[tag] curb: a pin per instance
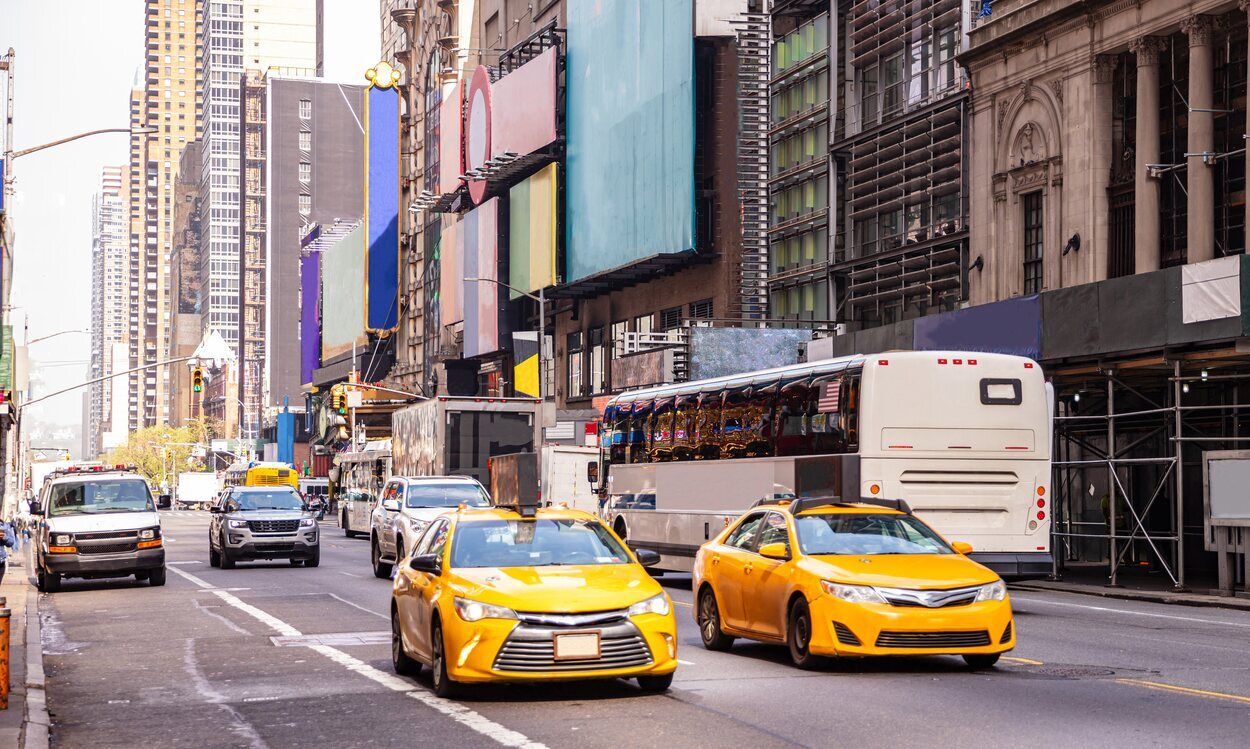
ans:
(36, 724)
(1175, 599)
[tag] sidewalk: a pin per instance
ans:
(25, 723)
(1135, 590)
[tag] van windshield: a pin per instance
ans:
(99, 497)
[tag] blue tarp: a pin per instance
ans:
(1013, 326)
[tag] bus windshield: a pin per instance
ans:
(100, 497)
(866, 535)
(449, 494)
(534, 543)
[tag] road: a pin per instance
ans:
(267, 655)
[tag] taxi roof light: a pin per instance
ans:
(803, 504)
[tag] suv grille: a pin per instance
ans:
(273, 526)
(532, 648)
(976, 639)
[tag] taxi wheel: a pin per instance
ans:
(380, 569)
(709, 623)
(981, 660)
(655, 684)
(799, 637)
(404, 665)
(443, 685)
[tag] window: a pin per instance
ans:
(701, 310)
(305, 109)
(305, 204)
(743, 537)
(644, 324)
(775, 530)
(305, 141)
(305, 171)
(619, 329)
(598, 361)
(574, 382)
(1032, 206)
(670, 319)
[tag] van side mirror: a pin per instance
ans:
(164, 502)
(35, 509)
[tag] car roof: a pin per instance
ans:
(508, 513)
(439, 479)
(95, 476)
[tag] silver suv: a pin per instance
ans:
(262, 522)
(409, 504)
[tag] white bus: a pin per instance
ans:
(356, 481)
(963, 437)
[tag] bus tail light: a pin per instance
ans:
(883, 362)
(1041, 491)
(1041, 503)
(941, 361)
(957, 361)
(1041, 515)
(972, 362)
(1028, 365)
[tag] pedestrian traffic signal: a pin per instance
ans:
(197, 380)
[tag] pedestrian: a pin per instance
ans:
(9, 542)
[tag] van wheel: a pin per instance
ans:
(156, 577)
(799, 637)
(380, 569)
(50, 582)
(347, 531)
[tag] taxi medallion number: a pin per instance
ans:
(578, 646)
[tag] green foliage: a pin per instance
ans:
(157, 454)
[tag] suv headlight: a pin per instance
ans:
(62, 539)
(852, 593)
(653, 605)
(995, 591)
(307, 522)
(147, 534)
(237, 523)
(472, 611)
(418, 525)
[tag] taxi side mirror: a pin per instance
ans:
(961, 548)
(427, 563)
(647, 557)
(774, 551)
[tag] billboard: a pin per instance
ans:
(480, 230)
(532, 232)
(450, 129)
(342, 295)
(309, 316)
(630, 123)
(382, 207)
(450, 272)
(523, 107)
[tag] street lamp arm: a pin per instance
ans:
(54, 335)
(25, 151)
(508, 286)
(94, 380)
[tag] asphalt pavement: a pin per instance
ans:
(269, 655)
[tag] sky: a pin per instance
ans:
(76, 61)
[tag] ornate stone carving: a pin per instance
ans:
(1000, 188)
(1201, 29)
(1243, 6)
(1030, 144)
(1003, 106)
(1148, 49)
(1029, 178)
(1056, 88)
(1104, 68)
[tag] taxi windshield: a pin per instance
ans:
(99, 497)
(867, 534)
(534, 543)
(449, 494)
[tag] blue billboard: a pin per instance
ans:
(630, 122)
(382, 203)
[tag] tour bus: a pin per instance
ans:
(356, 481)
(964, 438)
(261, 474)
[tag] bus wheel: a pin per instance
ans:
(347, 531)
(619, 528)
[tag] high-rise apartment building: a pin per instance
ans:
(110, 300)
(237, 36)
(165, 101)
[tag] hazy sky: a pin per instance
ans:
(76, 63)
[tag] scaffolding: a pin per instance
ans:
(1128, 444)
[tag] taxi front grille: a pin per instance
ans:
(531, 648)
(972, 639)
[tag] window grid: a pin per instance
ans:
(1032, 205)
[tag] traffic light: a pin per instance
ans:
(197, 380)
(338, 400)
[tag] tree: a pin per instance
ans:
(160, 453)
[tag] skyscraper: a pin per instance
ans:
(110, 300)
(237, 36)
(164, 99)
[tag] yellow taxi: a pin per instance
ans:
(831, 578)
(528, 594)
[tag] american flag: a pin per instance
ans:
(828, 402)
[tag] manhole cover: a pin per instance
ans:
(1073, 672)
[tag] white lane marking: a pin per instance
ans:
(197, 582)
(221, 618)
(684, 663)
(349, 574)
(358, 606)
(457, 712)
(1045, 602)
(186, 561)
(239, 724)
(232, 590)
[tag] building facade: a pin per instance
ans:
(166, 101)
(184, 284)
(110, 303)
(238, 36)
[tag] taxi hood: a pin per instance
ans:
(916, 571)
(565, 589)
(106, 521)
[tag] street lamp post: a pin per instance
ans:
(542, 372)
(54, 335)
(143, 130)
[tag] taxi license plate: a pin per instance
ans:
(576, 647)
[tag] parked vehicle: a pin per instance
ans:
(197, 490)
(254, 522)
(409, 504)
(318, 488)
(448, 436)
(566, 476)
(96, 522)
(356, 481)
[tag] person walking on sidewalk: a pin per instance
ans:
(9, 542)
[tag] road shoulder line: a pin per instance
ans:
(37, 723)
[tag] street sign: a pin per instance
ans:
(354, 399)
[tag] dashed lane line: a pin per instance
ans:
(469, 718)
(1044, 602)
(1024, 661)
(1160, 687)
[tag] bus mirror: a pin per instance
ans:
(592, 473)
(961, 548)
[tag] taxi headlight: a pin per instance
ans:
(237, 523)
(995, 591)
(307, 522)
(653, 605)
(472, 611)
(62, 539)
(852, 593)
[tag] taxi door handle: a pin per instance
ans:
(715, 559)
(748, 568)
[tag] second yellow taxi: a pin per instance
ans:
(551, 594)
(829, 578)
